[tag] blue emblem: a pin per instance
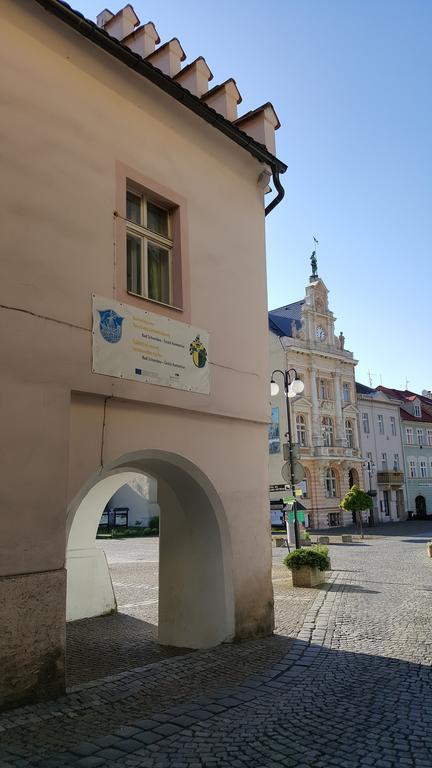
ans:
(110, 325)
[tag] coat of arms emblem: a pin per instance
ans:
(110, 325)
(198, 352)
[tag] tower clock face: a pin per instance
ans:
(320, 333)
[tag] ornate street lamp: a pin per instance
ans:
(293, 386)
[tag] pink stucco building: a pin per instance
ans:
(128, 188)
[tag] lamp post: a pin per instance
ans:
(370, 466)
(292, 386)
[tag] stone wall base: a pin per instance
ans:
(32, 637)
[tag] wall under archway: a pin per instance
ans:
(196, 604)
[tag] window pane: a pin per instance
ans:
(158, 273)
(134, 254)
(133, 207)
(157, 219)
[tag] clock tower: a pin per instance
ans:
(317, 320)
(325, 415)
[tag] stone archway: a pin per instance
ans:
(420, 505)
(196, 604)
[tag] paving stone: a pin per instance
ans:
(362, 699)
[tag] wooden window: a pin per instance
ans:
(149, 246)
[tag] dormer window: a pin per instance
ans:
(417, 411)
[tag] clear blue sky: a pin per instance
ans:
(350, 81)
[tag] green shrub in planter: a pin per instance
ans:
(315, 557)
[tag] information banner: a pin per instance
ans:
(130, 343)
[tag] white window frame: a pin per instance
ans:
(423, 468)
(393, 425)
(412, 464)
(396, 462)
(384, 462)
(301, 428)
(148, 236)
(429, 436)
(417, 410)
(365, 422)
(330, 484)
(420, 436)
(346, 390)
(380, 423)
(327, 431)
(409, 435)
(349, 433)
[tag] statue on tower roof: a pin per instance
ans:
(313, 260)
(314, 264)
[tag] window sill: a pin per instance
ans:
(155, 301)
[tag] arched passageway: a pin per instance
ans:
(196, 607)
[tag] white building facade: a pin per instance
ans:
(382, 450)
(324, 416)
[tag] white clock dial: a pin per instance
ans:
(320, 333)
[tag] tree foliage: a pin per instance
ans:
(356, 500)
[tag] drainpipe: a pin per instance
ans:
(280, 192)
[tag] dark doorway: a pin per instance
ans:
(420, 504)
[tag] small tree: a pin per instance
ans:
(357, 501)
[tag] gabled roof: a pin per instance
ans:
(280, 319)
(362, 389)
(99, 37)
(406, 396)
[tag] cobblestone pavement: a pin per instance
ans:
(352, 690)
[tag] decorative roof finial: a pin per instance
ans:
(313, 260)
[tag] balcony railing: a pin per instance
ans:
(336, 450)
(390, 478)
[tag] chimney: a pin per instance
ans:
(121, 24)
(143, 40)
(103, 17)
(224, 99)
(261, 125)
(195, 76)
(168, 57)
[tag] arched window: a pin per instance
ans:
(330, 484)
(327, 431)
(349, 433)
(301, 431)
(353, 478)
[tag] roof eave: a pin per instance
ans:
(103, 40)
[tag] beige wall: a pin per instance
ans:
(71, 115)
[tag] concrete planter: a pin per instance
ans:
(323, 540)
(306, 576)
(429, 549)
(346, 538)
(305, 543)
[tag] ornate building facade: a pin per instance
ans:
(325, 416)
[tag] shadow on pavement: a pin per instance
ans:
(105, 645)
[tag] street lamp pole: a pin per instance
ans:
(370, 466)
(292, 386)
